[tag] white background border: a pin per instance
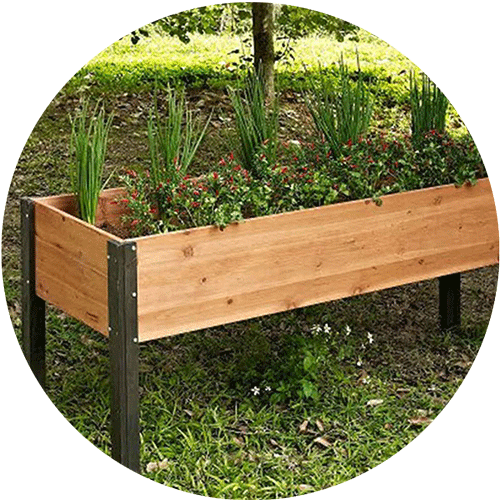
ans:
(45, 43)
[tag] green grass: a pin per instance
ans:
(206, 60)
(213, 436)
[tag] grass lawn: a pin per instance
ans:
(266, 408)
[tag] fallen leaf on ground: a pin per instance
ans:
(420, 420)
(304, 487)
(303, 426)
(238, 441)
(374, 402)
(156, 466)
(323, 442)
(319, 425)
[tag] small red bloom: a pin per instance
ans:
(284, 170)
(196, 193)
(349, 142)
(134, 223)
(153, 210)
(135, 194)
(131, 173)
(231, 156)
(126, 201)
(195, 204)
(216, 176)
(222, 162)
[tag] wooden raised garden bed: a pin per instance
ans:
(147, 288)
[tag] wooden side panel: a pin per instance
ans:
(71, 265)
(206, 277)
(108, 211)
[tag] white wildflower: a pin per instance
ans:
(327, 328)
(347, 330)
(370, 338)
(316, 329)
(255, 390)
(267, 389)
(359, 362)
(366, 380)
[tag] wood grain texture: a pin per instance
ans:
(71, 264)
(205, 277)
(108, 211)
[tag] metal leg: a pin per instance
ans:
(33, 307)
(449, 301)
(124, 352)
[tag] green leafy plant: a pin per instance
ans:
(88, 144)
(428, 107)
(173, 138)
(341, 109)
(256, 122)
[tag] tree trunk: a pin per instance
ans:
(263, 43)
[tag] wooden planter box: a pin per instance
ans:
(147, 288)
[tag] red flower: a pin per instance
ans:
(284, 170)
(153, 210)
(135, 194)
(222, 162)
(131, 173)
(349, 142)
(354, 166)
(134, 223)
(195, 204)
(216, 176)
(126, 201)
(231, 156)
(237, 168)
(196, 193)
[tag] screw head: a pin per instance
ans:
(134, 294)
(134, 248)
(135, 340)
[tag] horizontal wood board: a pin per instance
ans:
(71, 263)
(205, 277)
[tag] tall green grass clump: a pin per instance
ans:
(173, 138)
(88, 144)
(341, 109)
(428, 107)
(256, 122)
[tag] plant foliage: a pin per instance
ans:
(173, 138)
(256, 121)
(88, 144)
(428, 107)
(341, 109)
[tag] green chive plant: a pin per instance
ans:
(256, 122)
(341, 110)
(173, 138)
(428, 107)
(88, 144)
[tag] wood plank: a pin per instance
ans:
(205, 277)
(108, 211)
(71, 265)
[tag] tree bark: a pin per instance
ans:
(263, 43)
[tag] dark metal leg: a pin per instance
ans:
(124, 352)
(33, 307)
(449, 301)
